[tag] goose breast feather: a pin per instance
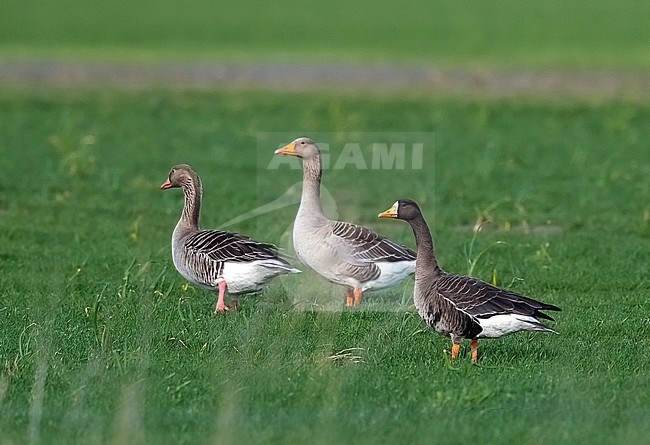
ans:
(445, 315)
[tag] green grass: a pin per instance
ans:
(554, 33)
(101, 342)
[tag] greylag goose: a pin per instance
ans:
(459, 306)
(342, 253)
(215, 259)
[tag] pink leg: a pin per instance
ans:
(220, 307)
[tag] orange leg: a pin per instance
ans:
(357, 297)
(474, 348)
(349, 296)
(454, 350)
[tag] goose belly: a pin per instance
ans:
(499, 325)
(323, 263)
(391, 274)
(327, 264)
(251, 276)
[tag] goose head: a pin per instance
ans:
(402, 209)
(303, 148)
(181, 175)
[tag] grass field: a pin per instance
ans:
(102, 342)
(554, 33)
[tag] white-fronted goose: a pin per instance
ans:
(343, 253)
(459, 306)
(215, 259)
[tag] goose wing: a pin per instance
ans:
(482, 300)
(363, 246)
(225, 246)
(443, 313)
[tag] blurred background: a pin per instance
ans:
(439, 45)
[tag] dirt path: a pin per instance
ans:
(327, 76)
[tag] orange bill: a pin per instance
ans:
(289, 149)
(390, 213)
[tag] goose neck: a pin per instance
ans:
(425, 257)
(192, 205)
(312, 173)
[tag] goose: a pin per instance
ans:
(216, 259)
(459, 306)
(343, 253)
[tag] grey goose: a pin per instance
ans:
(460, 306)
(343, 253)
(214, 259)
